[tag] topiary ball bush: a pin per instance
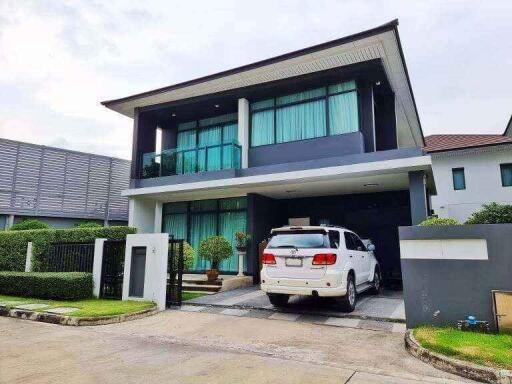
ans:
(26, 225)
(215, 249)
(188, 256)
(432, 220)
(492, 213)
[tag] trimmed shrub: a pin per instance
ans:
(188, 256)
(215, 249)
(492, 213)
(433, 220)
(47, 285)
(88, 224)
(26, 225)
(13, 244)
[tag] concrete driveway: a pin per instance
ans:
(183, 347)
(388, 306)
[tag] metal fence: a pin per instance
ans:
(174, 272)
(70, 257)
(112, 269)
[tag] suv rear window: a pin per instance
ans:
(299, 239)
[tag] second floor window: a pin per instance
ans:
(319, 112)
(506, 175)
(459, 180)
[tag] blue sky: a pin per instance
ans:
(58, 60)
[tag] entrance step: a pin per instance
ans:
(202, 287)
(206, 293)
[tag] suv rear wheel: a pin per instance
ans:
(377, 282)
(278, 299)
(347, 303)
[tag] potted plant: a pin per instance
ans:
(215, 249)
(242, 239)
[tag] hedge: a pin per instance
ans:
(13, 244)
(47, 285)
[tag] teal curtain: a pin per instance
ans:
(301, 96)
(229, 136)
(176, 225)
(209, 158)
(202, 225)
(229, 224)
(343, 113)
(302, 121)
(459, 180)
(262, 128)
(186, 160)
(506, 175)
(218, 119)
(257, 105)
(342, 87)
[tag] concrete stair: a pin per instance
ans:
(203, 286)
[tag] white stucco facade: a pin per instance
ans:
(483, 180)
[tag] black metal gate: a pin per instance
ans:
(112, 269)
(174, 272)
(69, 257)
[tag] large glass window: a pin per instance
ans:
(319, 112)
(206, 145)
(196, 220)
(506, 175)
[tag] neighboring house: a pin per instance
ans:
(60, 187)
(470, 170)
(326, 134)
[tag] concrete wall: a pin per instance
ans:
(142, 215)
(449, 271)
(483, 180)
(155, 277)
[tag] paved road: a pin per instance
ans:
(181, 347)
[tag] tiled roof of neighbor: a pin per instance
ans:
(440, 143)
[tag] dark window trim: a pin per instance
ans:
(502, 166)
(459, 169)
(324, 97)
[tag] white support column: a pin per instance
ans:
(96, 265)
(28, 260)
(141, 214)
(158, 217)
(10, 222)
(243, 130)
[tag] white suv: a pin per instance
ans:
(318, 261)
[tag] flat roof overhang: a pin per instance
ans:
(380, 43)
(378, 176)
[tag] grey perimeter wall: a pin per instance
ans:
(440, 292)
(41, 181)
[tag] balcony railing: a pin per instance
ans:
(172, 162)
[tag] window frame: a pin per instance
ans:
(459, 169)
(504, 166)
(324, 97)
(332, 241)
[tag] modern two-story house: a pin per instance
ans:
(329, 134)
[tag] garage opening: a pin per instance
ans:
(374, 216)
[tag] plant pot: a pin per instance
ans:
(241, 249)
(212, 275)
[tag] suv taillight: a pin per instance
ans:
(268, 258)
(324, 259)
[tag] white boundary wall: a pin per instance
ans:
(155, 276)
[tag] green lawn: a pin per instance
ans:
(191, 295)
(484, 349)
(87, 308)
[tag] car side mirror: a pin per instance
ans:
(371, 247)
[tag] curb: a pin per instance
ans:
(53, 318)
(299, 311)
(458, 367)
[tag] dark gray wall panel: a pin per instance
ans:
(312, 149)
(440, 292)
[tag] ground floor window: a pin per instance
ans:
(197, 220)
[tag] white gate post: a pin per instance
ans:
(96, 265)
(28, 259)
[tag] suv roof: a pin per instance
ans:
(305, 228)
